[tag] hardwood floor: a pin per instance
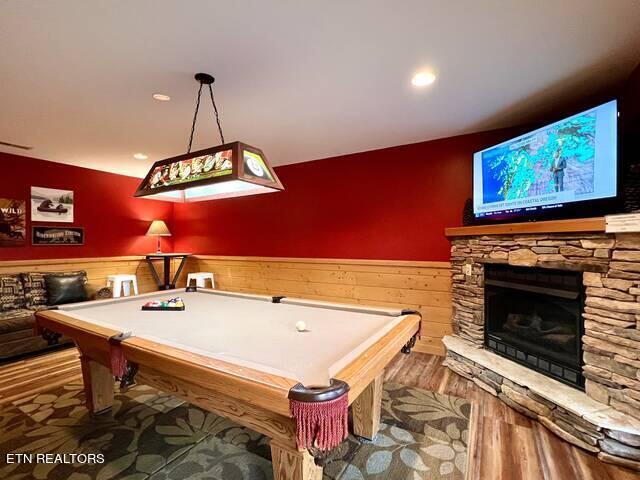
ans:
(504, 445)
(37, 374)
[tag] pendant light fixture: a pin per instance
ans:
(228, 170)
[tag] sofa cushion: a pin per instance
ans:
(16, 320)
(11, 293)
(66, 288)
(35, 290)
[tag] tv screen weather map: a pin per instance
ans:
(572, 160)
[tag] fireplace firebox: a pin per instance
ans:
(534, 317)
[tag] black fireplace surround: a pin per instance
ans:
(533, 316)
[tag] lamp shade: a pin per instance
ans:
(158, 228)
(230, 170)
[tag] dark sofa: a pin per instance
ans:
(23, 294)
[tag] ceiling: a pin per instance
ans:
(301, 80)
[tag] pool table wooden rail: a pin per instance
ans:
(252, 398)
(231, 379)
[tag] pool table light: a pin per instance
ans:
(228, 170)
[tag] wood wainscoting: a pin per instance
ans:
(423, 286)
(97, 268)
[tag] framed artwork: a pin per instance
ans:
(54, 235)
(12, 222)
(51, 205)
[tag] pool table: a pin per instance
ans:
(240, 356)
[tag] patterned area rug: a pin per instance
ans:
(151, 435)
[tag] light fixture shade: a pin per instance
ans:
(229, 170)
(158, 228)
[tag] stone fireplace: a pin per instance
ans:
(546, 316)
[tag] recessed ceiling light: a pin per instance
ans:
(161, 97)
(422, 79)
(140, 156)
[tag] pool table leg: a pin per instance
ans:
(98, 385)
(289, 463)
(366, 409)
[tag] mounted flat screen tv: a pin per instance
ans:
(565, 169)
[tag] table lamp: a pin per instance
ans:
(159, 229)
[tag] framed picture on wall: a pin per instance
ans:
(12, 222)
(54, 235)
(51, 205)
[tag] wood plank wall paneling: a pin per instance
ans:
(97, 269)
(423, 286)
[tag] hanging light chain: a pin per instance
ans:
(195, 116)
(215, 109)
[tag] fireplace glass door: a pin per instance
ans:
(534, 316)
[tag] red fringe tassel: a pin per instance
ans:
(322, 425)
(118, 362)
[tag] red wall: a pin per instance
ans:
(383, 204)
(114, 222)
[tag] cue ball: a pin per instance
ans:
(301, 326)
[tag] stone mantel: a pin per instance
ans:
(611, 344)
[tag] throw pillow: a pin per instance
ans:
(11, 293)
(35, 290)
(65, 288)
